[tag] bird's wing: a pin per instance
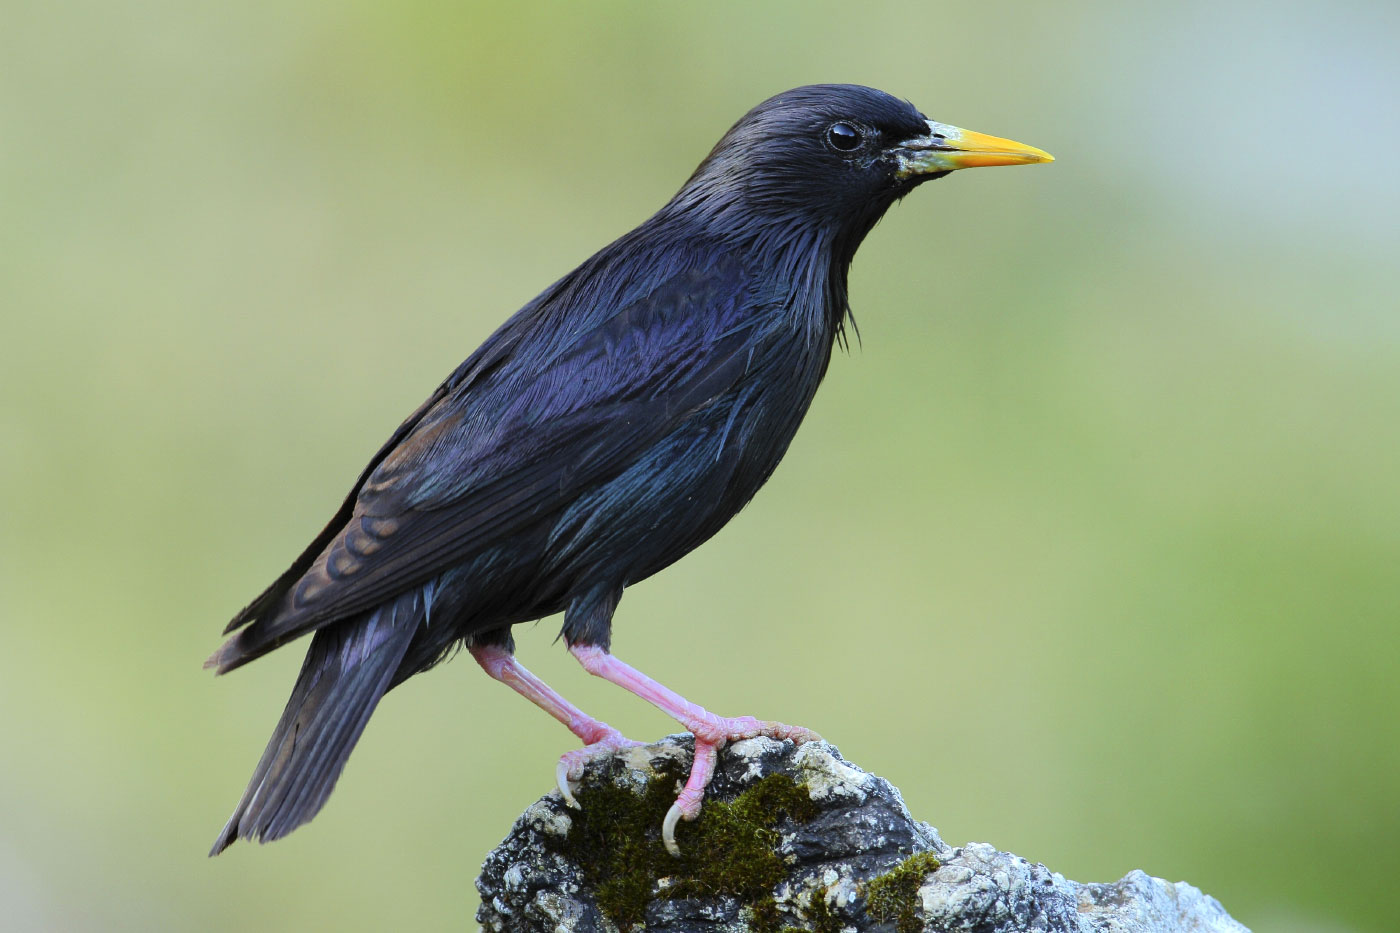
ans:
(496, 454)
(488, 357)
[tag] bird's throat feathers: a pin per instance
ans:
(802, 251)
(813, 271)
(797, 264)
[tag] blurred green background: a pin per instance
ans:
(1092, 546)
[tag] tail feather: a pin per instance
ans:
(348, 668)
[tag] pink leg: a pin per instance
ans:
(711, 732)
(598, 737)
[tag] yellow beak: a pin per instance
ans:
(948, 148)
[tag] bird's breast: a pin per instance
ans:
(692, 481)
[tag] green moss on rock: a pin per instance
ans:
(731, 849)
(894, 895)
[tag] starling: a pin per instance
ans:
(610, 426)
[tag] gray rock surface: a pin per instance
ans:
(791, 838)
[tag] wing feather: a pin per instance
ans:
(515, 444)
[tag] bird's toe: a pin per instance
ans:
(565, 784)
(569, 770)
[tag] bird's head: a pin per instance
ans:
(835, 157)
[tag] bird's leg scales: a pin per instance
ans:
(598, 737)
(711, 732)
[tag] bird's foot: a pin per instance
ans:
(570, 768)
(712, 733)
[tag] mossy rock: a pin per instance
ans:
(731, 850)
(895, 894)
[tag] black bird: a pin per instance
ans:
(611, 425)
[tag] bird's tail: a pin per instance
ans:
(347, 669)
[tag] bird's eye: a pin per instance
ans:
(844, 137)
